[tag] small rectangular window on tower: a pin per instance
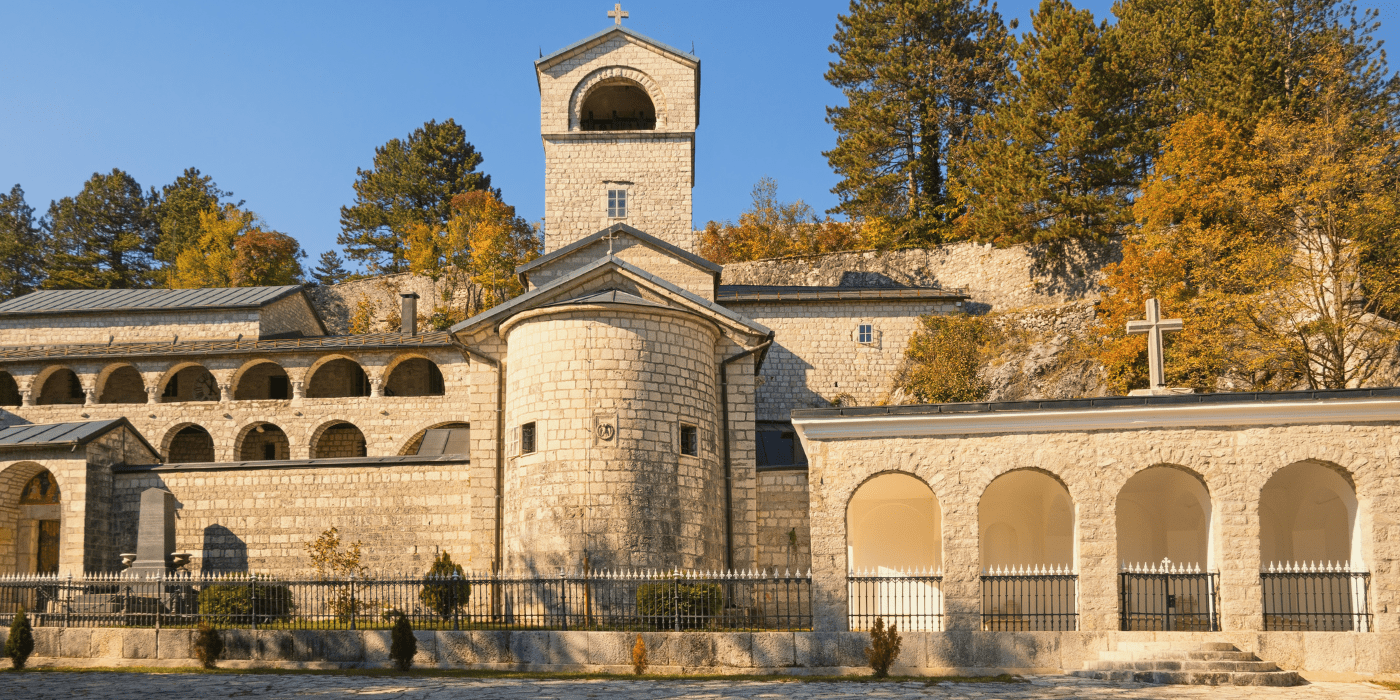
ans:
(617, 204)
(690, 440)
(527, 438)
(866, 333)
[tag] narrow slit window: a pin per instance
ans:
(690, 441)
(527, 438)
(617, 204)
(866, 333)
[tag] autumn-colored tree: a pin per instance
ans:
(771, 228)
(943, 359)
(178, 208)
(1054, 160)
(914, 73)
(233, 249)
(473, 256)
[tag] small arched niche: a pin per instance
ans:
(1026, 518)
(192, 443)
(264, 441)
(339, 378)
(1307, 513)
(1164, 513)
(415, 376)
(190, 383)
(263, 381)
(339, 440)
(9, 390)
(123, 385)
(617, 104)
(61, 387)
(893, 524)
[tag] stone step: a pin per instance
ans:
(1180, 655)
(1272, 678)
(1176, 646)
(1183, 665)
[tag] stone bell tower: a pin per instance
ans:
(618, 112)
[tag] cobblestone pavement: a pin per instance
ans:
(142, 686)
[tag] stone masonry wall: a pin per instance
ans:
(782, 516)
(261, 519)
(631, 500)
(1233, 463)
(290, 315)
(128, 327)
(816, 359)
(654, 168)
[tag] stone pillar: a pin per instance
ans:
(376, 387)
(298, 389)
(89, 396)
(153, 393)
(26, 397)
(225, 393)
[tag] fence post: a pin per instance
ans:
(68, 605)
(563, 600)
(676, 598)
(456, 604)
(160, 593)
(253, 609)
(354, 605)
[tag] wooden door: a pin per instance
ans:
(48, 547)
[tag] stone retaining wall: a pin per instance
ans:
(1318, 655)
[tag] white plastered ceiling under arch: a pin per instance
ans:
(1026, 518)
(1308, 513)
(1165, 513)
(893, 523)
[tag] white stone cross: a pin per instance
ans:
(618, 13)
(1155, 327)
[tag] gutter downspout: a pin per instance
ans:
(724, 440)
(498, 555)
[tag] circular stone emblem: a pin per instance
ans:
(606, 431)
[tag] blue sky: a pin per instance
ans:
(280, 102)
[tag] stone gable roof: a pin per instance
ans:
(584, 44)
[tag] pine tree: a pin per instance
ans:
(1055, 160)
(21, 244)
(177, 212)
(330, 269)
(103, 238)
(20, 642)
(914, 73)
(413, 182)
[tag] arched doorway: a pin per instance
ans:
(339, 440)
(1026, 528)
(263, 441)
(1310, 551)
(122, 385)
(31, 511)
(337, 379)
(1163, 518)
(894, 550)
(191, 443)
(415, 376)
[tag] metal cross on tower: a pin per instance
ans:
(1155, 327)
(618, 13)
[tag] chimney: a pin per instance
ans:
(409, 315)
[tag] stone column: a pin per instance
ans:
(376, 387)
(298, 389)
(225, 393)
(89, 396)
(26, 397)
(153, 393)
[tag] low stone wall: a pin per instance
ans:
(1318, 655)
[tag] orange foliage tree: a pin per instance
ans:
(773, 229)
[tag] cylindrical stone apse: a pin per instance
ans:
(620, 400)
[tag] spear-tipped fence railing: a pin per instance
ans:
(1168, 596)
(601, 600)
(1315, 596)
(911, 599)
(1030, 599)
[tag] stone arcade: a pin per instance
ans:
(629, 410)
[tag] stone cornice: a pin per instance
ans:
(1222, 415)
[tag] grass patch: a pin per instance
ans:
(1389, 685)
(484, 673)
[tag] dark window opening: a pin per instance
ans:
(618, 106)
(75, 387)
(778, 447)
(278, 387)
(527, 438)
(436, 386)
(269, 450)
(172, 388)
(690, 441)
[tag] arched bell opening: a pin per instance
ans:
(617, 104)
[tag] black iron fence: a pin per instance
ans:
(1168, 597)
(1316, 597)
(631, 601)
(1030, 599)
(913, 600)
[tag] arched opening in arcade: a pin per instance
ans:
(1026, 526)
(191, 443)
(617, 104)
(30, 509)
(263, 441)
(1164, 524)
(1313, 568)
(190, 383)
(894, 550)
(9, 390)
(415, 376)
(338, 378)
(61, 387)
(339, 440)
(263, 381)
(122, 385)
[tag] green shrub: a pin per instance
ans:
(883, 649)
(21, 641)
(207, 645)
(402, 644)
(445, 595)
(238, 603)
(661, 602)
